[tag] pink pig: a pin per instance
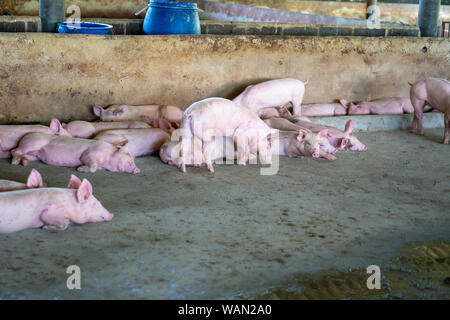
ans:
(10, 135)
(217, 116)
(342, 140)
(435, 93)
(380, 106)
(50, 208)
(298, 144)
(148, 113)
(315, 141)
(34, 181)
(141, 142)
(273, 93)
(324, 110)
(86, 130)
(87, 155)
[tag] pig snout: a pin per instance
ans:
(315, 154)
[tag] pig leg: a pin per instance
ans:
(447, 126)
(206, 149)
(242, 143)
(297, 105)
(419, 106)
(55, 218)
(90, 163)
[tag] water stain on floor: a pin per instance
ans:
(418, 271)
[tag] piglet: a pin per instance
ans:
(435, 93)
(379, 106)
(317, 140)
(50, 208)
(10, 135)
(87, 155)
(342, 140)
(212, 117)
(324, 110)
(273, 93)
(141, 142)
(86, 130)
(148, 113)
(34, 181)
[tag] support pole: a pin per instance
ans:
(51, 12)
(429, 17)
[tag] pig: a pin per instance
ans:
(291, 144)
(342, 140)
(318, 141)
(50, 208)
(148, 113)
(141, 142)
(217, 116)
(87, 130)
(273, 93)
(34, 181)
(324, 110)
(435, 93)
(86, 155)
(380, 106)
(10, 135)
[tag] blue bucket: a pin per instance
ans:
(171, 17)
(85, 28)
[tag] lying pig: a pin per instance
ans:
(141, 142)
(435, 93)
(10, 135)
(342, 140)
(317, 140)
(291, 144)
(273, 93)
(380, 106)
(148, 113)
(217, 116)
(86, 130)
(34, 181)
(87, 155)
(324, 110)
(50, 208)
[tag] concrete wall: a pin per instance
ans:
(46, 75)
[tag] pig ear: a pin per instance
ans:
(345, 103)
(349, 126)
(84, 192)
(324, 134)
(35, 180)
(301, 135)
(55, 126)
(121, 144)
(98, 110)
(74, 182)
(165, 125)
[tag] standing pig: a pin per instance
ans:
(217, 116)
(380, 106)
(86, 130)
(273, 93)
(435, 93)
(34, 181)
(148, 113)
(324, 110)
(10, 135)
(342, 140)
(141, 142)
(50, 208)
(87, 155)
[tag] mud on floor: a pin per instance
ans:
(418, 271)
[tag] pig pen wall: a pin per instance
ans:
(50, 75)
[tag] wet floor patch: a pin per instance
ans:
(418, 271)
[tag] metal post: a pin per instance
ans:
(429, 17)
(51, 12)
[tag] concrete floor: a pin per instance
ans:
(198, 235)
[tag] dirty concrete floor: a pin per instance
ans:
(202, 235)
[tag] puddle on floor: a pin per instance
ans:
(418, 271)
